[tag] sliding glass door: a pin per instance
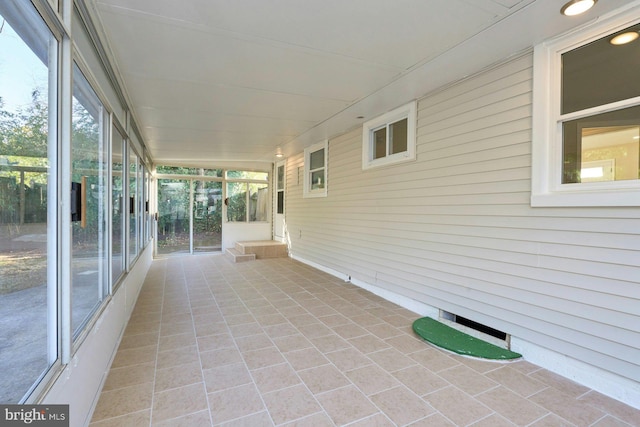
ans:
(189, 216)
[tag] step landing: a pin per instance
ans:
(258, 249)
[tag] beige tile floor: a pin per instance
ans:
(275, 342)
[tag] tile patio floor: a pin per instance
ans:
(275, 342)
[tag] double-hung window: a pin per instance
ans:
(315, 170)
(586, 140)
(390, 138)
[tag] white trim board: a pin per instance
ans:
(597, 379)
(404, 302)
(600, 380)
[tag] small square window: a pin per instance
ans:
(390, 138)
(315, 170)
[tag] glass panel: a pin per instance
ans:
(236, 201)
(604, 147)
(280, 183)
(89, 156)
(132, 206)
(380, 143)
(212, 172)
(261, 176)
(316, 159)
(258, 202)
(176, 170)
(140, 198)
(117, 180)
(600, 73)
(179, 170)
(280, 190)
(173, 216)
(207, 216)
(398, 137)
(317, 180)
(280, 202)
(25, 191)
(147, 206)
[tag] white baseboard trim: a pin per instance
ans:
(605, 382)
(404, 302)
(598, 379)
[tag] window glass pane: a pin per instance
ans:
(88, 152)
(280, 202)
(117, 180)
(176, 170)
(132, 206)
(258, 202)
(280, 184)
(604, 147)
(262, 176)
(173, 216)
(398, 137)
(280, 190)
(316, 159)
(317, 180)
(179, 170)
(147, 207)
(600, 73)
(27, 200)
(212, 172)
(207, 216)
(236, 201)
(380, 143)
(140, 198)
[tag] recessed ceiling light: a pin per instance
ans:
(624, 38)
(576, 7)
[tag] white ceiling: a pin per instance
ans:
(216, 81)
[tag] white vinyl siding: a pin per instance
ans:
(455, 229)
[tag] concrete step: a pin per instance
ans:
(263, 248)
(237, 256)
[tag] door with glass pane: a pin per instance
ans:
(207, 216)
(279, 224)
(174, 199)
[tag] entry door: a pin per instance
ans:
(279, 221)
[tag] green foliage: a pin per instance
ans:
(24, 132)
(237, 208)
(23, 162)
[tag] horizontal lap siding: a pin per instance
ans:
(455, 229)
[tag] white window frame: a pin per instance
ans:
(308, 190)
(547, 189)
(409, 112)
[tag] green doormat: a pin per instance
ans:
(454, 340)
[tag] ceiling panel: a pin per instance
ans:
(326, 25)
(223, 99)
(193, 54)
(220, 80)
(203, 120)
